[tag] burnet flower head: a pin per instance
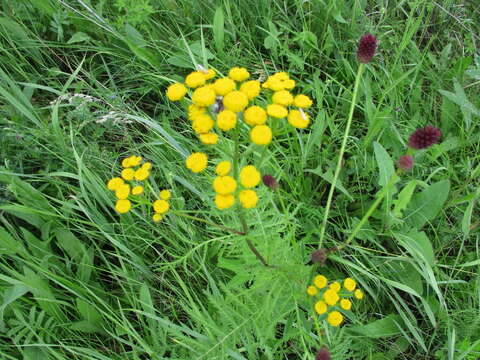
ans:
(424, 137)
(366, 48)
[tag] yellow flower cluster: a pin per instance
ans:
(225, 186)
(333, 297)
(127, 185)
(161, 206)
(220, 102)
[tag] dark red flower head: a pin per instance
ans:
(270, 181)
(323, 354)
(366, 48)
(424, 137)
(405, 162)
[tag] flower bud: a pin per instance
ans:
(270, 181)
(323, 354)
(405, 162)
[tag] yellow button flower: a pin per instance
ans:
(298, 120)
(289, 84)
(114, 183)
(282, 97)
(224, 201)
(208, 138)
(203, 96)
(358, 294)
(209, 74)
(226, 120)
(161, 206)
(157, 217)
(238, 74)
(302, 101)
(249, 176)
(335, 286)
(165, 194)
(135, 160)
(137, 190)
(176, 92)
(195, 79)
(251, 88)
(261, 135)
(277, 111)
(331, 297)
(224, 185)
(312, 290)
(345, 304)
(223, 168)
(224, 86)
(194, 111)
(122, 191)
(320, 281)
(126, 163)
(335, 318)
(128, 174)
(197, 162)
(123, 206)
(349, 284)
(255, 115)
(235, 101)
(320, 307)
(146, 166)
(248, 198)
(202, 124)
(141, 174)
(275, 84)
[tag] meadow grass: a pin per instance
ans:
(78, 281)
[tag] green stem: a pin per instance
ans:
(317, 327)
(342, 151)
(207, 222)
(373, 207)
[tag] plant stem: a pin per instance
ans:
(207, 222)
(342, 151)
(241, 215)
(381, 195)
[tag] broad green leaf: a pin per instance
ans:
(9, 296)
(9, 245)
(88, 312)
(69, 243)
(426, 205)
(79, 37)
(386, 327)
(328, 176)
(404, 198)
(467, 218)
(384, 163)
(418, 245)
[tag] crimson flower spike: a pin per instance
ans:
(424, 137)
(323, 354)
(405, 162)
(366, 48)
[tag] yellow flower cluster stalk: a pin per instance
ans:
(333, 298)
(161, 206)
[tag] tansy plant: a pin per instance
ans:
(245, 111)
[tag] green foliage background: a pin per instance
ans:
(79, 282)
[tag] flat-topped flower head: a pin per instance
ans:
(312, 290)
(128, 174)
(114, 183)
(165, 194)
(248, 198)
(345, 304)
(204, 96)
(137, 190)
(321, 307)
(224, 201)
(302, 101)
(282, 97)
(277, 111)
(123, 206)
(235, 101)
(335, 318)
(320, 281)
(238, 74)
(226, 120)
(349, 284)
(197, 162)
(251, 89)
(255, 115)
(331, 297)
(249, 176)
(208, 138)
(123, 191)
(261, 135)
(366, 48)
(425, 137)
(161, 206)
(195, 79)
(224, 86)
(223, 168)
(224, 185)
(176, 92)
(358, 294)
(298, 119)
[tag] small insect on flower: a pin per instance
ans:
(424, 137)
(366, 48)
